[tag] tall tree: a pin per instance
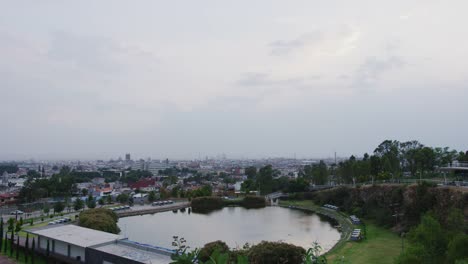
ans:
(78, 204)
(33, 250)
(17, 247)
(1, 232)
(251, 172)
(265, 179)
(26, 248)
(320, 173)
(58, 207)
(6, 243)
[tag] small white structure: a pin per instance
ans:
(70, 241)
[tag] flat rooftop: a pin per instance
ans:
(140, 254)
(75, 235)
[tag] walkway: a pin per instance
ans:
(6, 260)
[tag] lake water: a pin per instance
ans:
(233, 225)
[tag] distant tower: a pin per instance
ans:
(127, 157)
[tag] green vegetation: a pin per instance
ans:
(100, 219)
(274, 252)
(91, 202)
(218, 252)
(430, 242)
(379, 246)
(432, 219)
(206, 204)
(22, 258)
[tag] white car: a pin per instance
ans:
(17, 212)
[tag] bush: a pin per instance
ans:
(209, 248)
(205, 204)
(253, 202)
(100, 219)
(276, 252)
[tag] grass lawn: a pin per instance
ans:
(380, 246)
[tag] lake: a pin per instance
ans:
(233, 225)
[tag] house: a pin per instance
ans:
(8, 198)
(147, 185)
(98, 181)
(102, 191)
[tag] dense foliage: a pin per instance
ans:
(253, 202)
(61, 184)
(209, 248)
(393, 205)
(218, 252)
(204, 204)
(100, 219)
(275, 252)
(8, 167)
(431, 242)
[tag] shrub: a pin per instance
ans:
(209, 248)
(253, 202)
(204, 204)
(276, 252)
(100, 219)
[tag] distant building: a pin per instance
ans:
(127, 157)
(8, 198)
(155, 166)
(146, 185)
(98, 180)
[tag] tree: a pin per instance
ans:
(265, 179)
(109, 199)
(90, 202)
(101, 201)
(26, 248)
(248, 185)
(1, 232)
(12, 241)
(58, 207)
(6, 243)
(122, 198)
(457, 248)
(17, 227)
(78, 204)
(427, 243)
(100, 219)
(17, 248)
(251, 172)
(151, 196)
(320, 173)
(46, 208)
(33, 250)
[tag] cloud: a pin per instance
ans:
(333, 41)
(373, 68)
(284, 47)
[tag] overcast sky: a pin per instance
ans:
(183, 79)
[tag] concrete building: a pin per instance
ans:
(75, 244)
(69, 242)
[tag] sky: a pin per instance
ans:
(250, 79)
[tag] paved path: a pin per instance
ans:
(5, 260)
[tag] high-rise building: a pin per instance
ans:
(127, 157)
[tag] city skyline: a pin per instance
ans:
(93, 80)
